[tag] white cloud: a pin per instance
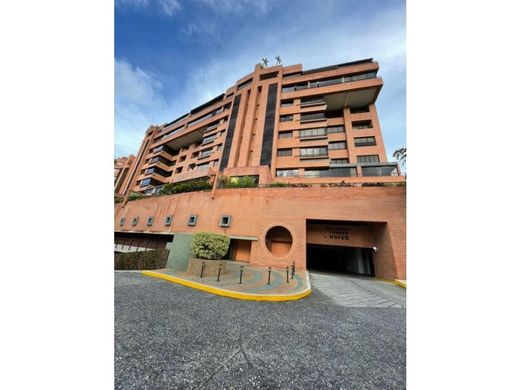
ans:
(138, 104)
(167, 7)
(237, 6)
(135, 86)
(133, 3)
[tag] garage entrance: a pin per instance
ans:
(340, 246)
(343, 259)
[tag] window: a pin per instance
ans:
(312, 172)
(192, 220)
(135, 220)
(359, 110)
(311, 133)
(337, 145)
(149, 221)
(362, 125)
(245, 84)
(387, 170)
(122, 221)
(168, 220)
(368, 159)
(332, 172)
(287, 103)
(205, 153)
(178, 170)
(148, 171)
(203, 166)
(183, 158)
(335, 129)
(286, 118)
(285, 134)
(284, 152)
(145, 182)
(313, 117)
(339, 161)
(225, 221)
(365, 141)
(286, 172)
(312, 101)
(314, 152)
(209, 139)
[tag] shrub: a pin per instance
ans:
(135, 196)
(280, 184)
(238, 182)
(177, 188)
(153, 259)
(210, 246)
(118, 199)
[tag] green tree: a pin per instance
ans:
(210, 246)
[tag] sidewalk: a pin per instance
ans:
(254, 282)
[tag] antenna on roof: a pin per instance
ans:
(264, 62)
(278, 60)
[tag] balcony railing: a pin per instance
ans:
(312, 117)
(324, 83)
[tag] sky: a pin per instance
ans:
(173, 55)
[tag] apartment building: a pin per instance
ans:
(121, 167)
(317, 128)
(277, 123)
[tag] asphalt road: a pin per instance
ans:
(172, 337)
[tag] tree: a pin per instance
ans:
(400, 155)
(210, 246)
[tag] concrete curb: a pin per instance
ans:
(230, 293)
(397, 282)
(400, 283)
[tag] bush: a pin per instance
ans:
(177, 188)
(153, 259)
(210, 246)
(280, 184)
(135, 196)
(238, 182)
(118, 199)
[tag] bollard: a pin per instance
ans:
(219, 268)
(293, 266)
(202, 269)
(269, 276)
(287, 270)
(241, 270)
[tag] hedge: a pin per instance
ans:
(238, 182)
(210, 246)
(177, 188)
(153, 259)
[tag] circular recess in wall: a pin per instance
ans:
(278, 241)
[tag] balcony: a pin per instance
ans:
(330, 81)
(193, 174)
(379, 169)
(312, 102)
(306, 118)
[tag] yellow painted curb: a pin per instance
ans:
(227, 293)
(393, 281)
(400, 284)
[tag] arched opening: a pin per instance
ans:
(279, 241)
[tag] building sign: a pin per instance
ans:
(335, 232)
(342, 235)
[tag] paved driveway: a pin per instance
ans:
(352, 291)
(172, 337)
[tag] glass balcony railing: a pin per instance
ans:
(332, 81)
